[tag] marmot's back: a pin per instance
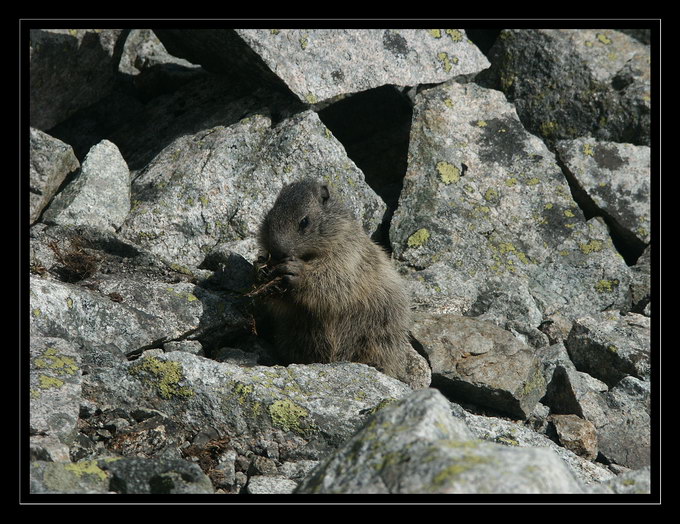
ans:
(341, 297)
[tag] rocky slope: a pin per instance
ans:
(512, 189)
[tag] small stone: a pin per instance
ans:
(576, 434)
(264, 485)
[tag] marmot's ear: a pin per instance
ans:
(324, 193)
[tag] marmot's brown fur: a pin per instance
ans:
(341, 299)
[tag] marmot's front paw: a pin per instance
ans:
(290, 270)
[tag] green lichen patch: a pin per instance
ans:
(588, 150)
(465, 463)
(86, 467)
(536, 381)
(606, 286)
(47, 382)
(190, 297)
(591, 247)
(60, 364)
(443, 57)
(603, 38)
(448, 173)
(380, 405)
(454, 34)
(243, 393)
(165, 376)
(507, 441)
(491, 195)
(437, 33)
(288, 416)
(419, 238)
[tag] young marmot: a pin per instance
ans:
(339, 297)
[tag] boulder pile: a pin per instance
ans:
(511, 187)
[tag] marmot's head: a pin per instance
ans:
(303, 214)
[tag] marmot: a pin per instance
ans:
(340, 298)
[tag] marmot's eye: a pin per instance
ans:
(303, 223)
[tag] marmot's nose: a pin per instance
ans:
(278, 255)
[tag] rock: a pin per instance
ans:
(603, 78)
(143, 50)
(119, 475)
(263, 485)
(514, 434)
(620, 416)
(224, 179)
(190, 346)
(477, 362)
(84, 477)
(51, 162)
(138, 475)
(487, 199)
(247, 405)
(319, 64)
(416, 371)
(626, 437)
(615, 179)
(576, 434)
(70, 69)
(416, 446)
(631, 482)
(610, 346)
(641, 286)
(98, 196)
(55, 388)
(127, 313)
(556, 327)
(569, 392)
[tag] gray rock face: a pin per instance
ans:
(119, 475)
(319, 64)
(210, 191)
(626, 438)
(99, 195)
(641, 287)
(486, 198)
(568, 83)
(51, 162)
(478, 362)
(416, 446)
(55, 387)
(610, 346)
(233, 399)
(619, 416)
(127, 314)
(637, 482)
(510, 433)
(617, 178)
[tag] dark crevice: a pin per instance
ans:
(374, 128)
(626, 243)
(483, 38)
